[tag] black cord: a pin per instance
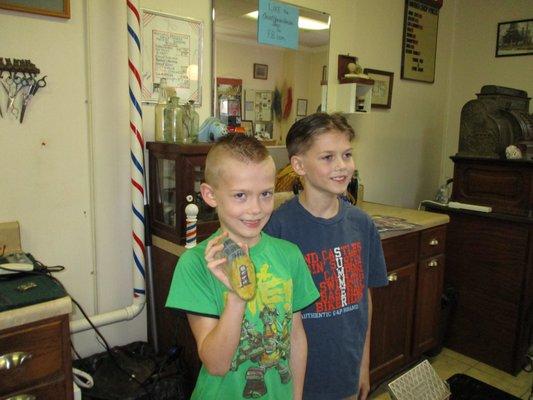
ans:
(42, 269)
(74, 350)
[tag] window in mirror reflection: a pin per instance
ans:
(270, 104)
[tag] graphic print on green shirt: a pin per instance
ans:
(260, 367)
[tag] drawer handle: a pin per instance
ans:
(13, 360)
(392, 277)
(22, 397)
(433, 263)
(434, 242)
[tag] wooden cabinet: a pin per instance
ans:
(45, 371)
(490, 261)
(176, 172)
(406, 313)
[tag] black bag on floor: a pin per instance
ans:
(133, 372)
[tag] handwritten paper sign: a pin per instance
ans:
(171, 58)
(277, 24)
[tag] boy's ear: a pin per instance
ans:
(208, 194)
(297, 165)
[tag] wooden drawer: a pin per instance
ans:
(43, 344)
(49, 391)
(400, 251)
(432, 241)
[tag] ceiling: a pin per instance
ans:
(230, 21)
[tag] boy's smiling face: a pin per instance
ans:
(243, 196)
(327, 166)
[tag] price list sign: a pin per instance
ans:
(420, 39)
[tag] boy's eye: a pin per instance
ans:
(348, 155)
(268, 193)
(328, 157)
(239, 196)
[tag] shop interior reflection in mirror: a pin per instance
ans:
(259, 84)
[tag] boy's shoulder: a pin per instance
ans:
(194, 254)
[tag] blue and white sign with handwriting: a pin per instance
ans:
(277, 24)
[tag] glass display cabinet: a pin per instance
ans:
(176, 172)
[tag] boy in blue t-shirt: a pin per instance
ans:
(343, 251)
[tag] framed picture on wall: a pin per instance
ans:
(52, 8)
(419, 44)
(171, 49)
(382, 89)
(260, 71)
(515, 38)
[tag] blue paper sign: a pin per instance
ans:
(277, 24)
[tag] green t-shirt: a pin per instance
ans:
(260, 366)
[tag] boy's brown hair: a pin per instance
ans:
(302, 132)
(240, 147)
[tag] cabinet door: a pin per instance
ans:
(428, 300)
(392, 318)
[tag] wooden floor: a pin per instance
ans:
(448, 363)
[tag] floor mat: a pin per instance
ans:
(464, 387)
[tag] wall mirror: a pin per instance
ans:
(264, 89)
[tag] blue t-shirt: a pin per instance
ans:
(345, 257)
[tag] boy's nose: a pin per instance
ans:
(254, 207)
(341, 164)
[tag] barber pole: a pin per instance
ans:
(191, 212)
(136, 148)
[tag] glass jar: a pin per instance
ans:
(173, 129)
(159, 109)
(191, 123)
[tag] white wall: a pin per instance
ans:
(398, 149)
(65, 170)
(475, 65)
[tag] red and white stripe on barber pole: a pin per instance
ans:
(136, 149)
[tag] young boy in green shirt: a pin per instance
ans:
(255, 348)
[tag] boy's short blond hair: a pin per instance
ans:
(243, 148)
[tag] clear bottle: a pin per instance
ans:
(173, 121)
(191, 123)
(159, 109)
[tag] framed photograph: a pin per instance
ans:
(248, 127)
(171, 49)
(52, 8)
(419, 44)
(301, 107)
(515, 38)
(382, 89)
(260, 71)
